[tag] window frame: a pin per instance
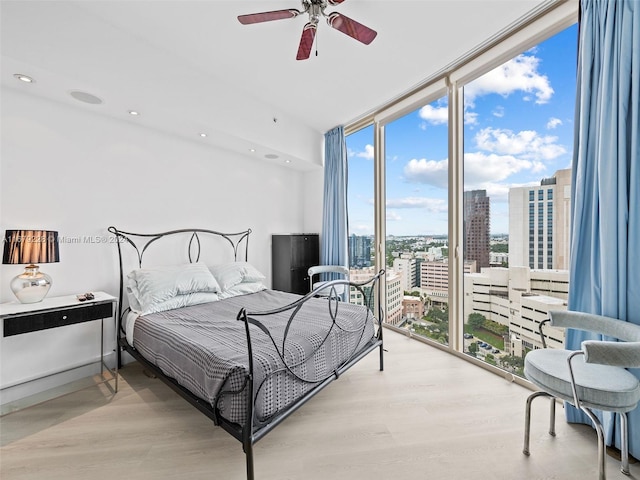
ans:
(548, 19)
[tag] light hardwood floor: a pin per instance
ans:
(429, 415)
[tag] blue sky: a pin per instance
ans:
(518, 130)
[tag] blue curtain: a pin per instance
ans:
(605, 236)
(335, 243)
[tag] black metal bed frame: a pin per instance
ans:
(252, 431)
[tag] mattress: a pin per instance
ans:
(204, 348)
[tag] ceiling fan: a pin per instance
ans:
(315, 9)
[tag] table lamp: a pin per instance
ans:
(29, 247)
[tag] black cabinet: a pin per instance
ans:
(291, 257)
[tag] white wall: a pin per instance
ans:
(71, 170)
(313, 194)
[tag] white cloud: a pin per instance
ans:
(367, 153)
(470, 118)
(432, 172)
(434, 115)
(503, 153)
(393, 216)
(498, 111)
(481, 172)
(480, 168)
(431, 204)
(527, 144)
(553, 123)
(518, 74)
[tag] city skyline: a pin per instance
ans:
(518, 130)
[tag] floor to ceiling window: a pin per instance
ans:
(518, 138)
(417, 220)
(360, 207)
(466, 181)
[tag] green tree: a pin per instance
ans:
(390, 258)
(500, 247)
(438, 315)
(494, 327)
(473, 348)
(476, 321)
(490, 359)
(513, 361)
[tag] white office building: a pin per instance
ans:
(519, 298)
(394, 292)
(405, 267)
(539, 219)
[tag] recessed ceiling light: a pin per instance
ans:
(133, 112)
(287, 161)
(86, 97)
(203, 135)
(24, 78)
(252, 149)
(271, 156)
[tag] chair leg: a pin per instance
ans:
(601, 450)
(552, 416)
(527, 419)
(624, 440)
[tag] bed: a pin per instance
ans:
(244, 355)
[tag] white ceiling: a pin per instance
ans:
(189, 66)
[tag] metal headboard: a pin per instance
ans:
(140, 242)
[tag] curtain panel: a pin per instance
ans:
(334, 244)
(604, 275)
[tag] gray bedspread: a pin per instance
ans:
(204, 348)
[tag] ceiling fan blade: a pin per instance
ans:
(352, 28)
(306, 41)
(268, 16)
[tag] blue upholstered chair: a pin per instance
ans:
(318, 269)
(594, 377)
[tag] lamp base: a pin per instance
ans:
(31, 286)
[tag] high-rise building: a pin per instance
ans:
(405, 266)
(539, 219)
(476, 227)
(359, 251)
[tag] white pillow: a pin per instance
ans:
(182, 301)
(231, 274)
(251, 273)
(148, 287)
(243, 288)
